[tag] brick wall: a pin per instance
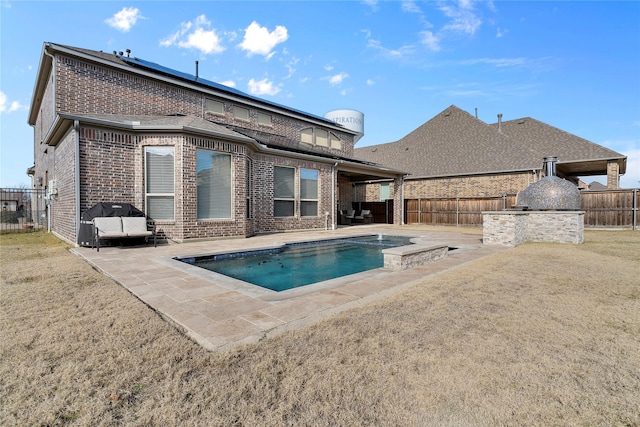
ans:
(63, 205)
(112, 162)
(84, 87)
(465, 186)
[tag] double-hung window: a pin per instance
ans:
(214, 185)
(284, 194)
(159, 182)
(308, 192)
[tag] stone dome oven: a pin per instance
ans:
(545, 211)
(550, 193)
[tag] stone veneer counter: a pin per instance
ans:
(511, 228)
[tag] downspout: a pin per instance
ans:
(53, 72)
(333, 196)
(76, 129)
(635, 208)
(402, 204)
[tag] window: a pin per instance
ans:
(306, 136)
(320, 137)
(215, 107)
(213, 185)
(159, 173)
(384, 191)
(249, 189)
(283, 191)
(241, 113)
(335, 142)
(308, 192)
(264, 119)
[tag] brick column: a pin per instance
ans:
(613, 175)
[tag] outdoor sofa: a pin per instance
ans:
(122, 227)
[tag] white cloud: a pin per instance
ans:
(401, 52)
(497, 62)
(229, 83)
(463, 17)
(430, 40)
(262, 87)
(370, 82)
(291, 67)
(338, 78)
(410, 6)
(125, 19)
(373, 4)
(197, 35)
(259, 41)
(13, 106)
(328, 67)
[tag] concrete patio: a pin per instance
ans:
(219, 312)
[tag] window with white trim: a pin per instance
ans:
(309, 192)
(214, 185)
(159, 182)
(284, 195)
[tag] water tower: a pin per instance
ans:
(350, 119)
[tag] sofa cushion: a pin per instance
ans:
(109, 226)
(135, 226)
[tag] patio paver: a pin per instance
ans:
(219, 314)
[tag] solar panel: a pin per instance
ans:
(191, 78)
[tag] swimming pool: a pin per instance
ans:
(299, 264)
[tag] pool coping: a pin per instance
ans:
(219, 312)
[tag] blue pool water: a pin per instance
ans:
(301, 264)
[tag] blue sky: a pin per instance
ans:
(573, 65)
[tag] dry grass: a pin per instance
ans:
(541, 334)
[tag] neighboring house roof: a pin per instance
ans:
(596, 186)
(454, 143)
(576, 156)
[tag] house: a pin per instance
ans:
(457, 155)
(201, 159)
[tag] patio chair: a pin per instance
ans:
(364, 216)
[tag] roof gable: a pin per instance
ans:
(547, 140)
(456, 143)
(451, 143)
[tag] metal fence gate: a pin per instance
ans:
(23, 209)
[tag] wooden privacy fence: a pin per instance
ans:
(607, 208)
(454, 211)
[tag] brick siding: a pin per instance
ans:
(112, 162)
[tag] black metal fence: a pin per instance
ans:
(23, 210)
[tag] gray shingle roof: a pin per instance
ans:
(547, 140)
(456, 143)
(176, 123)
